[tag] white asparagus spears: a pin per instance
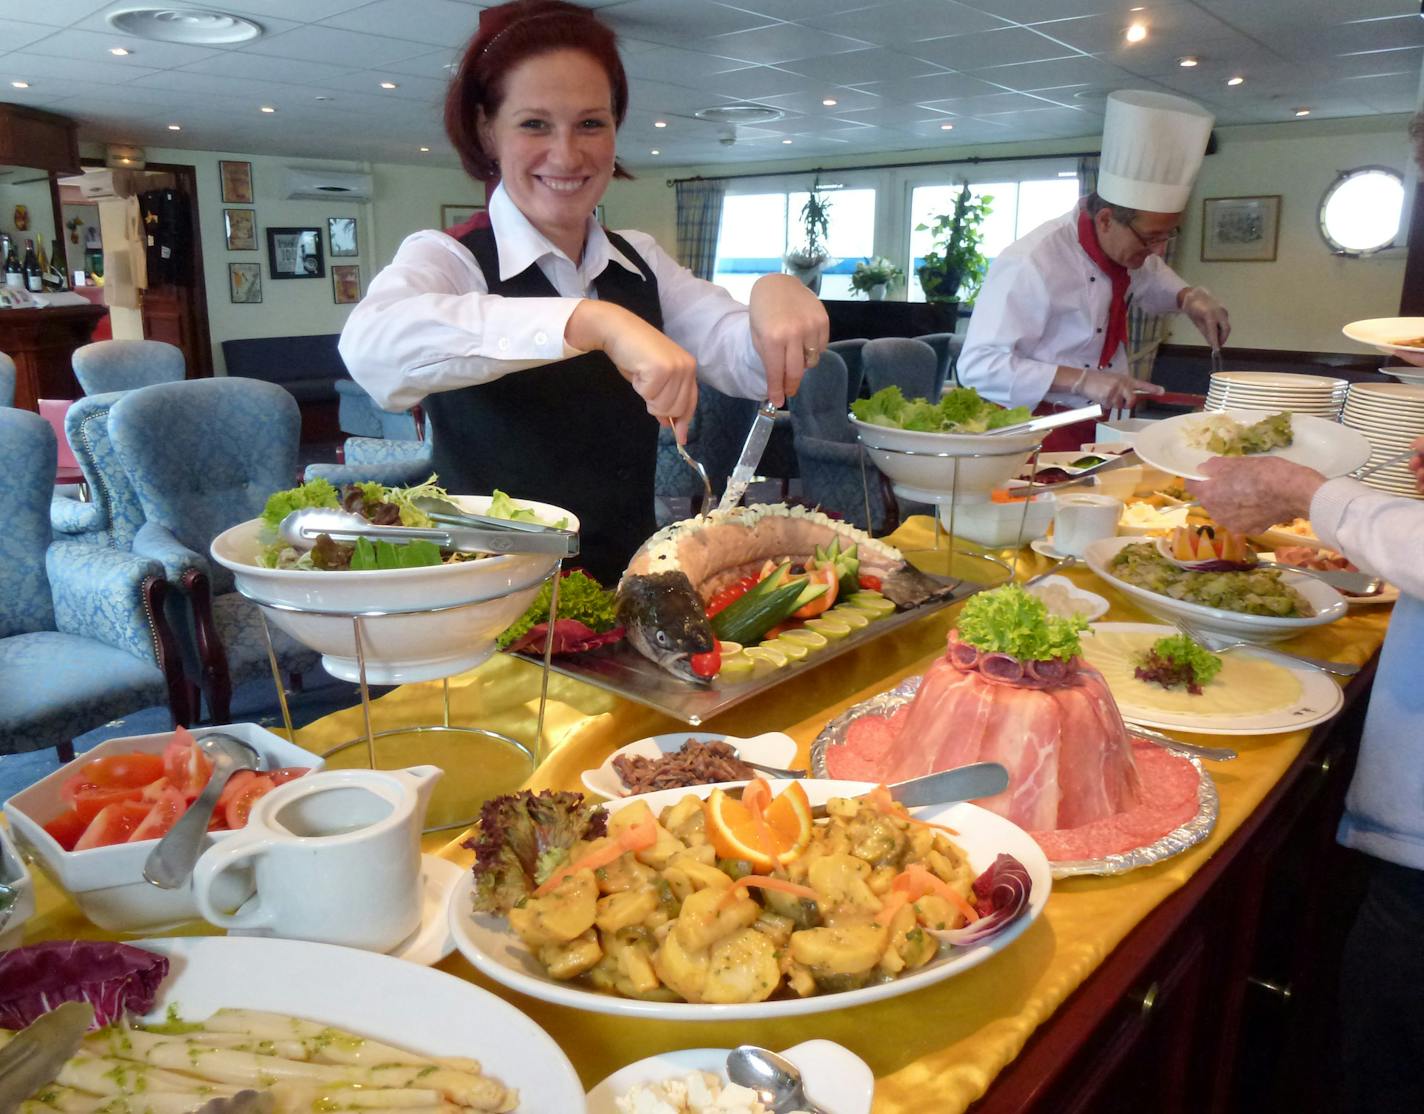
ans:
(332, 1049)
(107, 1075)
(332, 1045)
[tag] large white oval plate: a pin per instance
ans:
(1328, 447)
(1385, 332)
(772, 748)
(371, 995)
(1320, 698)
(490, 945)
(1329, 604)
(836, 1079)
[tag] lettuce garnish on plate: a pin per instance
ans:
(1010, 621)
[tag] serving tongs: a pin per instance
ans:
(301, 528)
(452, 514)
(1049, 421)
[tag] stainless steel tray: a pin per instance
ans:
(624, 671)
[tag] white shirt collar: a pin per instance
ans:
(521, 244)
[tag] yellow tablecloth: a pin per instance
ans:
(938, 1049)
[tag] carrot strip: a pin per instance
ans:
(917, 882)
(882, 802)
(639, 837)
(761, 881)
(896, 901)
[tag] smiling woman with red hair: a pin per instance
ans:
(539, 342)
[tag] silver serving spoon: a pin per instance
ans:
(171, 863)
(774, 1078)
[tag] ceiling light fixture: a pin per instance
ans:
(1302, 112)
(175, 127)
(1136, 33)
(743, 113)
(830, 102)
(655, 151)
(119, 52)
(659, 123)
(389, 85)
(946, 127)
(193, 26)
(1189, 62)
(20, 84)
(786, 141)
(321, 97)
(268, 109)
(1237, 80)
(425, 150)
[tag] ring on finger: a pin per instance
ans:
(811, 354)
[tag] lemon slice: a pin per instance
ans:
(794, 651)
(808, 638)
(851, 616)
(876, 608)
(766, 653)
(729, 648)
(736, 667)
(829, 626)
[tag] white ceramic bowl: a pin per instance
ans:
(425, 644)
(107, 882)
(1329, 604)
(1000, 524)
(1089, 605)
(16, 875)
(929, 476)
(771, 748)
(836, 1079)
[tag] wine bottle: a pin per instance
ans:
(14, 274)
(34, 282)
(41, 257)
(58, 267)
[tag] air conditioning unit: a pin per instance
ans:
(302, 184)
(101, 185)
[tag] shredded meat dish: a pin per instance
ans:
(696, 763)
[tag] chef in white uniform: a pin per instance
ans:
(1050, 323)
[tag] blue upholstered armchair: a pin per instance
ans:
(204, 455)
(7, 380)
(946, 348)
(850, 351)
(126, 365)
(900, 362)
(714, 438)
(112, 515)
(395, 462)
(82, 635)
(358, 415)
(829, 454)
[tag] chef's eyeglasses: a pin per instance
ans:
(1159, 240)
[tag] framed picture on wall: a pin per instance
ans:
(345, 283)
(1240, 229)
(452, 215)
(241, 225)
(244, 283)
(295, 253)
(341, 236)
(236, 180)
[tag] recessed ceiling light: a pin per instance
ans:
(389, 85)
(829, 102)
(425, 150)
(195, 26)
(323, 98)
(659, 123)
(1136, 33)
(175, 127)
(740, 114)
(268, 108)
(119, 51)
(1237, 80)
(1188, 62)
(1302, 112)
(786, 141)
(20, 84)
(946, 127)
(655, 151)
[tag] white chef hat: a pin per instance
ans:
(1153, 145)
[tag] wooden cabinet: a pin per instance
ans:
(1221, 1000)
(41, 342)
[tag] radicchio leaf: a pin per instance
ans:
(1001, 895)
(570, 637)
(115, 979)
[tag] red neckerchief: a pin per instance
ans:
(1117, 312)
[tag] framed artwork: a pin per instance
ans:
(345, 283)
(241, 225)
(295, 253)
(244, 283)
(236, 182)
(341, 236)
(451, 215)
(1240, 229)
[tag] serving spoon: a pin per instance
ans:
(171, 863)
(775, 1079)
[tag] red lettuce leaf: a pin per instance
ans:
(1001, 894)
(570, 637)
(114, 978)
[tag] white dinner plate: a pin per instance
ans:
(490, 944)
(835, 1078)
(1384, 332)
(1326, 446)
(771, 748)
(411, 1007)
(1320, 695)
(1329, 604)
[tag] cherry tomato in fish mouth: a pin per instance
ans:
(708, 664)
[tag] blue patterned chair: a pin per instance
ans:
(126, 365)
(112, 515)
(714, 438)
(850, 351)
(358, 415)
(829, 455)
(946, 347)
(900, 362)
(395, 462)
(7, 380)
(82, 635)
(203, 455)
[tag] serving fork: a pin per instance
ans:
(696, 466)
(1219, 644)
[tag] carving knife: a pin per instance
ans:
(745, 470)
(34, 1056)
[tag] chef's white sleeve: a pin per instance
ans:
(1010, 314)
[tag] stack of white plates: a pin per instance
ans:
(1391, 416)
(1273, 391)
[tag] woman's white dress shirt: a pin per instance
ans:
(428, 324)
(1045, 304)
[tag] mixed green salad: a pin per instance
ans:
(961, 410)
(1178, 662)
(1250, 592)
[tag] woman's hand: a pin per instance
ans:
(663, 373)
(790, 330)
(1250, 494)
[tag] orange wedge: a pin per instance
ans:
(765, 835)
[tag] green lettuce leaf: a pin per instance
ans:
(1009, 620)
(580, 597)
(388, 555)
(313, 493)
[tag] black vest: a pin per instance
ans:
(573, 433)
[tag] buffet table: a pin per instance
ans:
(942, 1048)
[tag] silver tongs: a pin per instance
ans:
(1049, 421)
(301, 528)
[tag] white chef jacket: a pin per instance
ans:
(1044, 304)
(428, 324)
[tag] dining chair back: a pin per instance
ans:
(900, 362)
(818, 409)
(946, 348)
(7, 380)
(112, 514)
(850, 351)
(27, 444)
(126, 365)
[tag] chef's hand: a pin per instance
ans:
(663, 373)
(1249, 494)
(1108, 389)
(1209, 315)
(790, 330)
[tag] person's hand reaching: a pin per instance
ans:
(662, 372)
(790, 330)
(1207, 314)
(1252, 493)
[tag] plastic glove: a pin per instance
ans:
(1112, 391)
(1208, 314)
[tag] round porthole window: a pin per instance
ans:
(1361, 210)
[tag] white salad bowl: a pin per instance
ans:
(14, 874)
(422, 624)
(923, 465)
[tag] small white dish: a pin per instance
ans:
(16, 875)
(1326, 446)
(432, 941)
(772, 748)
(835, 1078)
(1044, 548)
(1089, 605)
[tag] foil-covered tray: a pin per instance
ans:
(1173, 843)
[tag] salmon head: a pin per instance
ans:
(666, 621)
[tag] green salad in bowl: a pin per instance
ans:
(1250, 591)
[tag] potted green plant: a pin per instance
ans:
(810, 258)
(873, 277)
(954, 265)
